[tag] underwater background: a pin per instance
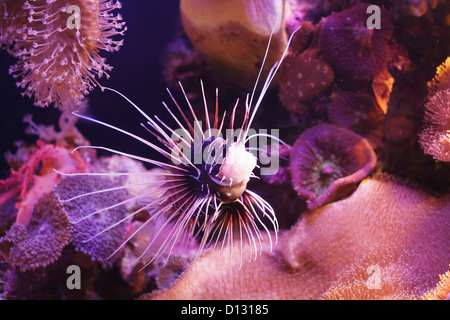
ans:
(360, 205)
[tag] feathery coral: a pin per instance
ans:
(435, 138)
(383, 222)
(58, 62)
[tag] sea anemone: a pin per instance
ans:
(302, 77)
(358, 113)
(352, 48)
(435, 138)
(40, 242)
(57, 45)
(327, 162)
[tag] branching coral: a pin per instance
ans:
(36, 176)
(58, 48)
(327, 162)
(385, 223)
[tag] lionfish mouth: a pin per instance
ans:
(206, 199)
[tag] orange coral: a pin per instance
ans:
(400, 229)
(442, 290)
(441, 80)
(57, 62)
(382, 87)
(41, 241)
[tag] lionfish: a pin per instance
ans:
(207, 200)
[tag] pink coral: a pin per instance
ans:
(303, 76)
(435, 138)
(385, 224)
(58, 62)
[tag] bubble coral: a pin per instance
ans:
(352, 48)
(327, 162)
(384, 222)
(58, 60)
(91, 233)
(233, 35)
(435, 138)
(303, 76)
(40, 242)
(358, 113)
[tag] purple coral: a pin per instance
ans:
(87, 234)
(352, 48)
(40, 242)
(327, 162)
